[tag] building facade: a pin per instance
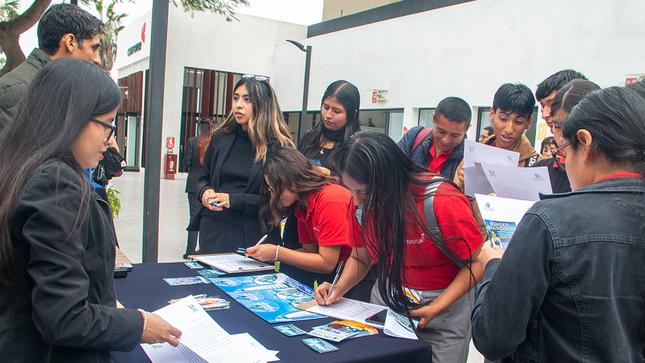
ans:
(404, 57)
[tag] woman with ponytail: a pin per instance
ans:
(568, 287)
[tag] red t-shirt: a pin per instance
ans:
(436, 163)
(426, 267)
(325, 222)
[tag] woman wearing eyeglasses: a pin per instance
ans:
(569, 287)
(57, 240)
(231, 177)
(320, 205)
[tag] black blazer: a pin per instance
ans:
(62, 307)
(246, 204)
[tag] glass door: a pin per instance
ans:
(395, 124)
(131, 142)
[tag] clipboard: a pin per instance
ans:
(233, 263)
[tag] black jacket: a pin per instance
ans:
(245, 206)
(62, 307)
(569, 287)
(421, 154)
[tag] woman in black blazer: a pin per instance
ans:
(231, 178)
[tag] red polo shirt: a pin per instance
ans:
(436, 163)
(426, 267)
(325, 222)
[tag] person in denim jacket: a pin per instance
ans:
(568, 288)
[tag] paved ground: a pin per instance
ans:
(173, 219)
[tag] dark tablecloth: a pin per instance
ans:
(144, 288)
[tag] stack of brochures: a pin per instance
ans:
(337, 331)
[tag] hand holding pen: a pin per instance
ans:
(325, 292)
(263, 253)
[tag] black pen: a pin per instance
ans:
(340, 267)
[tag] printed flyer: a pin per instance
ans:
(273, 297)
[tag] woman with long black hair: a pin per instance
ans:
(57, 240)
(231, 178)
(338, 121)
(568, 287)
(418, 229)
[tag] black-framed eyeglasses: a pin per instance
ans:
(257, 78)
(558, 151)
(107, 126)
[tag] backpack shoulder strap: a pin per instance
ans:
(431, 220)
(420, 137)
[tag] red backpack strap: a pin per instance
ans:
(420, 137)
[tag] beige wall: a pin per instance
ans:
(337, 8)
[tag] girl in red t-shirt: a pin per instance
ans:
(319, 204)
(417, 227)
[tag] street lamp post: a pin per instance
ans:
(302, 126)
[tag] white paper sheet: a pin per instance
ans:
(475, 152)
(501, 216)
(166, 353)
(200, 332)
(348, 309)
(518, 183)
(246, 349)
(397, 325)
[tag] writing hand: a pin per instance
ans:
(264, 253)
(322, 295)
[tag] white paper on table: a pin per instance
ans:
(348, 309)
(246, 349)
(199, 331)
(502, 215)
(397, 325)
(518, 183)
(475, 152)
(166, 353)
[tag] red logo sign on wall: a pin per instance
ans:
(143, 33)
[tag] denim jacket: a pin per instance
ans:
(568, 287)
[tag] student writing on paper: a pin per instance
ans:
(320, 205)
(418, 229)
(569, 286)
(231, 177)
(57, 239)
